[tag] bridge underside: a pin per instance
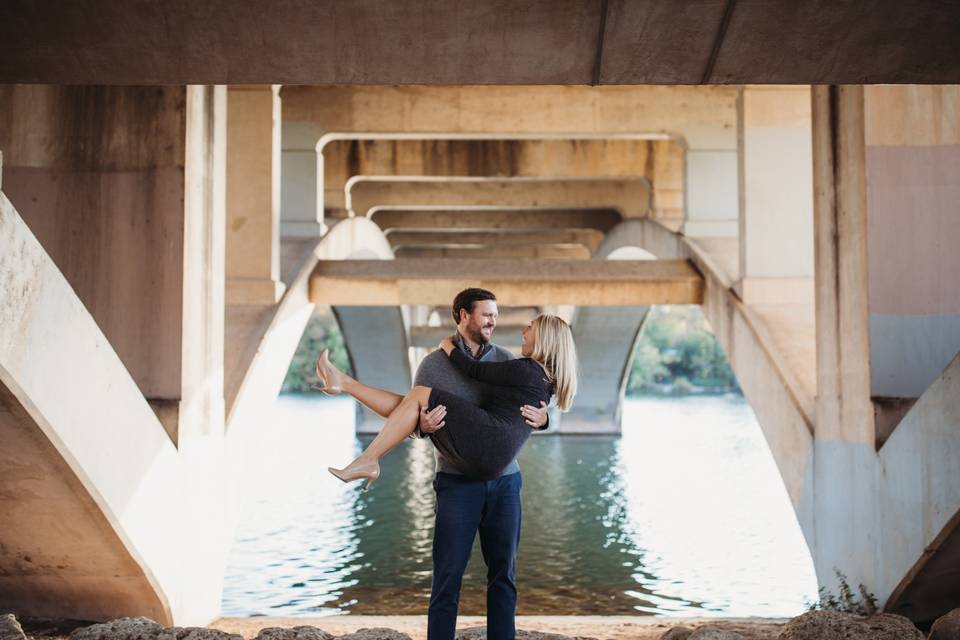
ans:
(485, 42)
(156, 266)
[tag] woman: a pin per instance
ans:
(481, 440)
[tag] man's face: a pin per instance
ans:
(479, 325)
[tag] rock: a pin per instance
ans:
(677, 633)
(480, 633)
(147, 629)
(303, 632)
(120, 629)
(196, 633)
(376, 633)
(712, 633)
(823, 625)
(947, 627)
(10, 628)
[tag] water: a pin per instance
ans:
(685, 514)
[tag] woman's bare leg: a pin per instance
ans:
(399, 425)
(380, 401)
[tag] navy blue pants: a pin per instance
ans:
(464, 507)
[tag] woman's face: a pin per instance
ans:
(529, 339)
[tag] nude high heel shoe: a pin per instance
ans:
(331, 376)
(370, 471)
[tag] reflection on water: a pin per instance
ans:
(685, 514)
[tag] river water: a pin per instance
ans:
(684, 514)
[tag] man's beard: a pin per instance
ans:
(478, 335)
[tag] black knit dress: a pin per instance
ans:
(480, 441)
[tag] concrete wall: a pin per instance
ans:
(862, 492)
(913, 232)
(127, 190)
(98, 174)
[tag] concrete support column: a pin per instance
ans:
(201, 400)
(776, 195)
(253, 195)
(98, 175)
(844, 452)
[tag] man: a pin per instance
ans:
(467, 506)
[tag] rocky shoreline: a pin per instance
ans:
(814, 625)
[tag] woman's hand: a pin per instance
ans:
(536, 417)
(447, 345)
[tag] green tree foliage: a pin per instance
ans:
(678, 353)
(322, 332)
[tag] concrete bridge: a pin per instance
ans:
(162, 248)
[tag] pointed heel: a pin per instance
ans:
(371, 475)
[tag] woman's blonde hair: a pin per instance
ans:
(555, 350)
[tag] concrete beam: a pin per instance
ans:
(253, 195)
(629, 196)
(659, 160)
(570, 252)
(517, 282)
(700, 119)
(589, 238)
(475, 218)
(481, 42)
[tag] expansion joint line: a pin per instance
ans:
(718, 41)
(598, 58)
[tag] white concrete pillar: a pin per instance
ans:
(846, 495)
(253, 195)
(201, 396)
(776, 195)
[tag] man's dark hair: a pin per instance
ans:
(467, 298)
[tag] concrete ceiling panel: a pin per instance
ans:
(478, 42)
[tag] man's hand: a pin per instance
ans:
(535, 417)
(432, 421)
